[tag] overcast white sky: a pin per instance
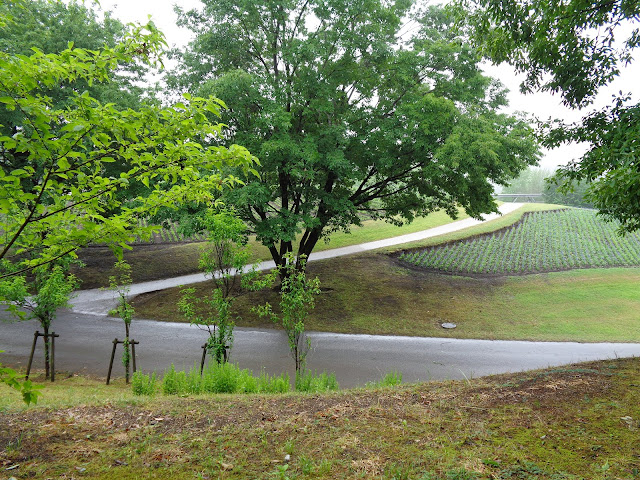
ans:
(542, 105)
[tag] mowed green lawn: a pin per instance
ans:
(582, 305)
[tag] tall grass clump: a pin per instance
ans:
(274, 384)
(174, 382)
(142, 384)
(221, 378)
(309, 382)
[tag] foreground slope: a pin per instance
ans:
(578, 422)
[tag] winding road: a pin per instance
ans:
(86, 334)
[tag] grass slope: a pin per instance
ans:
(577, 422)
(374, 294)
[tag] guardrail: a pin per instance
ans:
(520, 197)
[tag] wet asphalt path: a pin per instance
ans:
(84, 346)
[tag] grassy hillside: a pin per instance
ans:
(577, 422)
(376, 294)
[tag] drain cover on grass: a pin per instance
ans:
(448, 325)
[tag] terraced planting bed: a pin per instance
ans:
(545, 241)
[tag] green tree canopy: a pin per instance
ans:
(350, 110)
(571, 194)
(49, 26)
(574, 48)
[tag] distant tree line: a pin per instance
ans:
(536, 180)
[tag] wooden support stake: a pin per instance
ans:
(113, 355)
(133, 344)
(33, 350)
(133, 353)
(204, 356)
(53, 336)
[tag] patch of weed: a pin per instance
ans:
(311, 382)
(142, 384)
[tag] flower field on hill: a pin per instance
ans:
(540, 242)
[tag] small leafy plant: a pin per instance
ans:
(223, 259)
(297, 294)
(120, 283)
(142, 384)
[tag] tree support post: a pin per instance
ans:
(53, 355)
(133, 344)
(53, 336)
(204, 356)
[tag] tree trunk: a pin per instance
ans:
(127, 356)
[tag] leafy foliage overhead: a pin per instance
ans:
(55, 192)
(49, 26)
(571, 47)
(574, 48)
(350, 110)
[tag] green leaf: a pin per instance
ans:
(63, 163)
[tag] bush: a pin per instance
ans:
(142, 384)
(313, 383)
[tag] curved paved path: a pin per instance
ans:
(84, 346)
(86, 333)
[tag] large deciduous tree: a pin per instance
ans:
(574, 48)
(351, 108)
